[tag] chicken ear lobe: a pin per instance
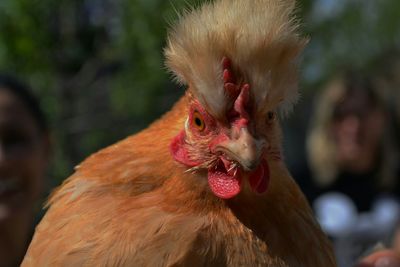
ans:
(179, 151)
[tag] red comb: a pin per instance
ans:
(242, 100)
(229, 78)
(240, 93)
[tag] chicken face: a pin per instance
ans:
(233, 148)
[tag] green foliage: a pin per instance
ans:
(356, 35)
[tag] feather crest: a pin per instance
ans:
(259, 36)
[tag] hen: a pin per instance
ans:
(206, 184)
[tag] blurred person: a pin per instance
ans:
(354, 167)
(389, 81)
(24, 154)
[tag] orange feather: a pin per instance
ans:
(132, 205)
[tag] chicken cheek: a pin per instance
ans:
(179, 151)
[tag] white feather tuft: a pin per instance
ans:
(261, 39)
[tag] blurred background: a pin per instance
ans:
(97, 65)
(97, 69)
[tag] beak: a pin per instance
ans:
(244, 149)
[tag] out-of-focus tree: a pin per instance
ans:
(98, 64)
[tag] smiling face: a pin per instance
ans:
(23, 159)
(358, 128)
(233, 147)
(23, 156)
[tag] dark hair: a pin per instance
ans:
(359, 84)
(24, 93)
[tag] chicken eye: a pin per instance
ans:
(198, 121)
(271, 116)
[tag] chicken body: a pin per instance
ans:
(206, 184)
(131, 205)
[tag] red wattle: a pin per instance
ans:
(222, 183)
(259, 179)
